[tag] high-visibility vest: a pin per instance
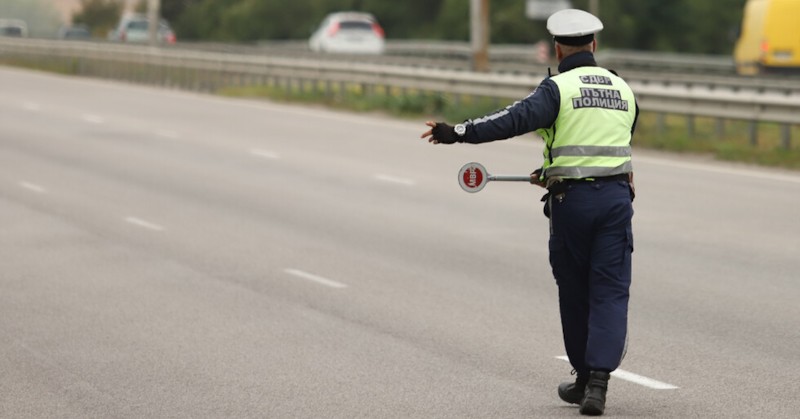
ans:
(592, 133)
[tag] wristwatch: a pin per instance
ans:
(460, 129)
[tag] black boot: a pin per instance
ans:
(594, 401)
(573, 392)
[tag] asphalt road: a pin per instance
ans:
(167, 254)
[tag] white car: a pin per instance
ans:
(134, 28)
(348, 32)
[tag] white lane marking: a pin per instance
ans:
(94, 119)
(638, 379)
(172, 135)
(264, 153)
(408, 127)
(315, 278)
(394, 179)
(30, 106)
(719, 170)
(635, 378)
(32, 187)
(145, 224)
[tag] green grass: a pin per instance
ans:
(59, 66)
(408, 104)
(728, 140)
(725, 140)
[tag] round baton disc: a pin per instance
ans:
(472, 177)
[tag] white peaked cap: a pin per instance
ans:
(573, 23)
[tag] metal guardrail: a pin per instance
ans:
(689, 69)
(646, 67)
(196, 69)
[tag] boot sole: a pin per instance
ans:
(565, 397)
(591, 409)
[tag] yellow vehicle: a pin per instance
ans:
(770, 37)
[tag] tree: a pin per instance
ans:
(677, 25)
(409, 19)
(99, 15)
(171, 10)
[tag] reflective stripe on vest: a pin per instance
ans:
(592, 134)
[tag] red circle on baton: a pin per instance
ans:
(472, 177)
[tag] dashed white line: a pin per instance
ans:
(32, 187)
(314, 278)
(636, 378)
(144, 224)
(394, 179)
(94, 119)
(264, 153)
(647, 382)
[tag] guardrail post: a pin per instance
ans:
(196, 80)
(315, 88)
(753, 128)
(690, 126)
(202, 78)
(719, 129)
(786, 136)
(163, 69)
(106, 69)
(660, 123)
(282, 84)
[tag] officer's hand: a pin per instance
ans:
(440, 133)
(536, 178)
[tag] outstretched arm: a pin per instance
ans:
(537, 110)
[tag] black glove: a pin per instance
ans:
(444, 134)
(535, 177)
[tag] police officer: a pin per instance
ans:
(586, 116)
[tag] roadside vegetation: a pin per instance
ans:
(685, 26)
(727, 140)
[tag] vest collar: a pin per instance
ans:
(580, 59)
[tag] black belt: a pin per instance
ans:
(614, 178)
(561, 187)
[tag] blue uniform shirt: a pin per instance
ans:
(538, 110)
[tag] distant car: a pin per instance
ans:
(14, 28)
(77, 32)
(134, 28)
(348, 32)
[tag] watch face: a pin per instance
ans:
(461, 129)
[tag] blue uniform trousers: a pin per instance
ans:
(591, 242)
